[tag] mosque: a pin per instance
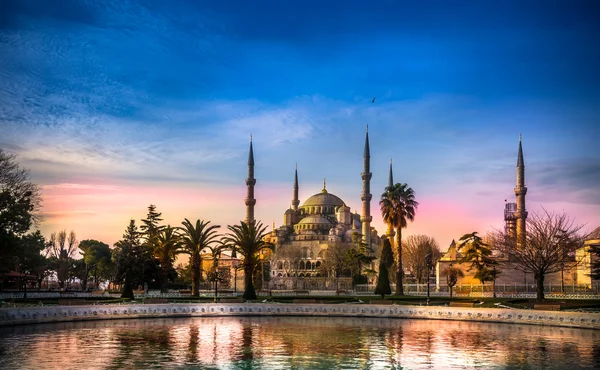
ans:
(309, 229)
(515, 218)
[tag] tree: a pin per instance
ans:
(184, 274)
(167, 247)
(214, 274)
(248, 240)
(387, 255)
(150, 228)
(479, 254)
(29, 259)
(129, 258)
(398, 206)
(20, 202)
(336, 261)
(194, 238)
(359, 256)
(62, 247)
(287, 258)
(385, 260)
(417, 248)
(452, 275)
(98, 261)
(550, 243)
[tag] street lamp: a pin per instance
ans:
(262, 270)
(428, 260)
(216, 273)
(234, 264)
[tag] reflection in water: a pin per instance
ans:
(295, 342)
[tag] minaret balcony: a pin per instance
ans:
(520, 190)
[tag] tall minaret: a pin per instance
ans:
(520, 191)
(390, 229)
(366, 194)
(250, 182)
(295, 201)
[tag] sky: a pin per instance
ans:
(116, 105)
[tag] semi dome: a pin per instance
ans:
(315, 220)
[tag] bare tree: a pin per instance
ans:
(550, 243)
(416, 249)
(288, 258)
(336, 261)
(62, 248)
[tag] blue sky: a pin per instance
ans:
(161, 97)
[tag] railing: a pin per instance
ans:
(328, 286)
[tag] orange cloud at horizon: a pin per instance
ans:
(102, 211)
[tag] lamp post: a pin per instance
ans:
(216, 273)
(262, 271)
(428, 260)
(234, 264)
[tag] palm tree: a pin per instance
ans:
(247, 240)
(452, 275)
(398, 206)
(167, 246)
(194, 238)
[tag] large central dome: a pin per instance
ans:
(324, 199)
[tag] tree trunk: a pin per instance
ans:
(195, 275)
(399, 270)
(85, 279)
(539, 279)
(249, 291)
(164, 284)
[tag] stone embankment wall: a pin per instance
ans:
(34, 315)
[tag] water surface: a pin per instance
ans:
(295, 343)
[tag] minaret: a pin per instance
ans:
(366, 194)
(295, 201)
(250, 182)
(390, 229)
(520, 191)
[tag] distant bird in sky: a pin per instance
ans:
(373, 101)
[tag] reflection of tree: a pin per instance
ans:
(192, 353)
(142, 346)
(247, 354)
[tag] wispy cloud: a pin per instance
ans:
(101, 100)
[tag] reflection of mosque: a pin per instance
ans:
(308, 229)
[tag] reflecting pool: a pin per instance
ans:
(295, 343)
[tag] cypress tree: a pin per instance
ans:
(383, 281)
(385, 262)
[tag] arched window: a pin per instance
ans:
(313, 266)
(305, 252)
(279, 274)
(301, 265)
(279, 265)
(286, 265)
(301, 275)
(318, 264)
